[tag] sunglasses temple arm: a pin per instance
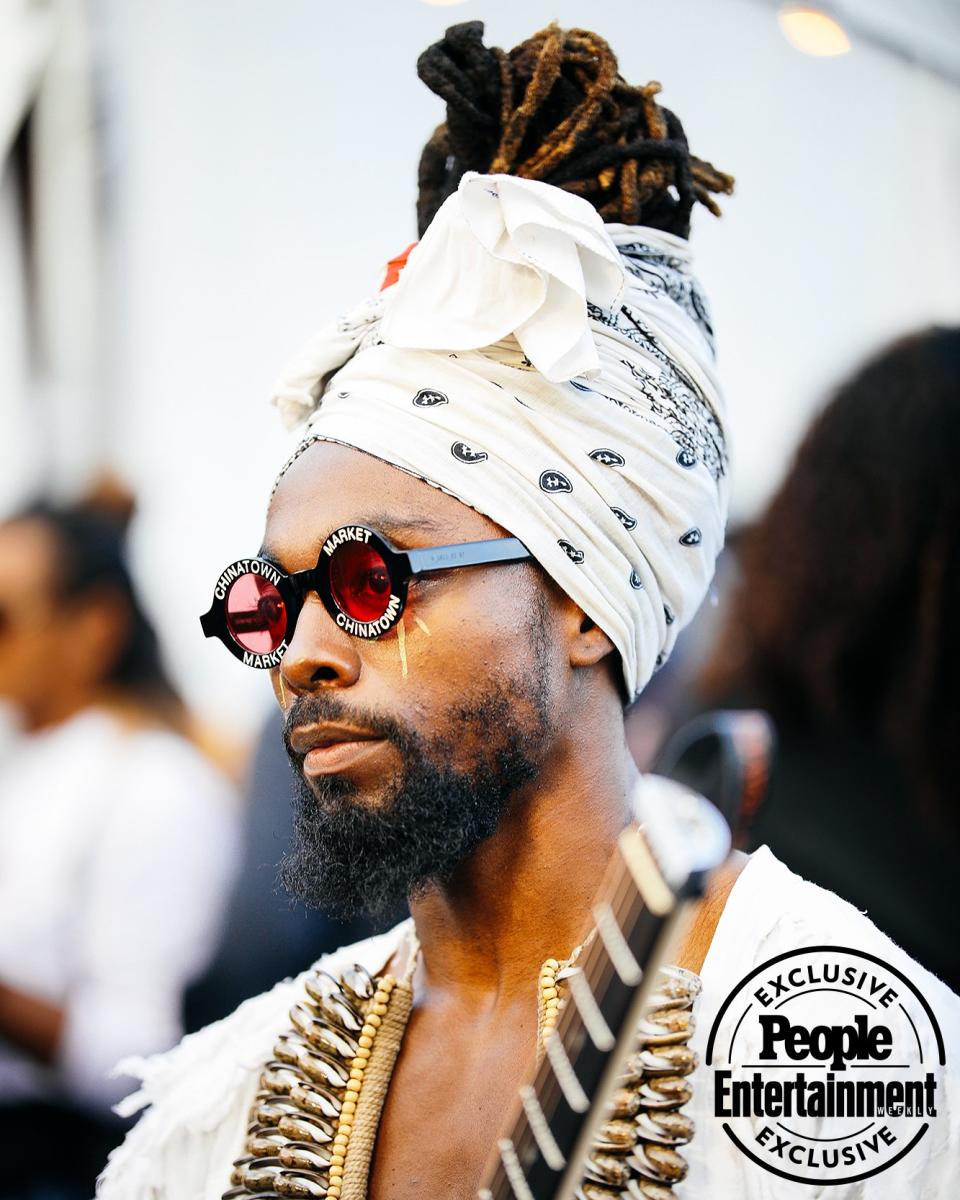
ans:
(467, 554)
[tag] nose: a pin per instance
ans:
(320, 654)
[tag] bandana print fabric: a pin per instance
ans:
(556, 374)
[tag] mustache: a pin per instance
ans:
(326, 708)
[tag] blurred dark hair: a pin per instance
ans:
(90, 557)
(849, 605)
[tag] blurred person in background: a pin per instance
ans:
(845, 625)
(118, 843)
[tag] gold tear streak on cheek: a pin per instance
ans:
(402, 646)
(422, 625)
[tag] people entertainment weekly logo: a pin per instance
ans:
(824, 1065)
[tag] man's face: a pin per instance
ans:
(440, 722)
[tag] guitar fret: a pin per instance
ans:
(515, 1175)
(593, 1020)
(616, 946)
(540, 1128)
(648, 878)
(565, 1075)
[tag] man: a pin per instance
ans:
(508, 500)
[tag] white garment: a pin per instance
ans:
(770, 911)
(117, 851)
(184, 1146)
(556, 374)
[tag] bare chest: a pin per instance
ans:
(448, 1101)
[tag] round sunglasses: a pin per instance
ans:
(361, 578)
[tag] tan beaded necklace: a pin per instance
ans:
(314, 1120)
(378, 1009)
(549, 998)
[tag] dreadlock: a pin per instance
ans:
(556, 109)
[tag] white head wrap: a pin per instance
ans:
(556, 374)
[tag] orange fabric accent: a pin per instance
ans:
(394, 267)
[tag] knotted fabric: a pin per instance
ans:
(556, 374)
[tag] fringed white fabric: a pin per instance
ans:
(199, 1094)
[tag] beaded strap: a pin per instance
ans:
(302, 1114)
(636, 1153)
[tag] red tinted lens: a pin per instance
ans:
(256, 614)
(360, 581)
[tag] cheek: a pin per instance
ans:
(460, 635)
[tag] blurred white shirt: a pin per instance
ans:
(118, 848)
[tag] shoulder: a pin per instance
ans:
(162, 787)
(159, 757)
(197, 1094)
(770, 915)
(772, 910)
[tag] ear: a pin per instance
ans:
(587, 643)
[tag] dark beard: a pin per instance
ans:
(349, 857)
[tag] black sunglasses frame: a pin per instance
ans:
(402, 566)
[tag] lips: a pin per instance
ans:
(327, 749)
(305, 738)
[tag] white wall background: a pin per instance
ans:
(261, 165)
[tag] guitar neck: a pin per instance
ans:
(652, 875)
(542, 1154)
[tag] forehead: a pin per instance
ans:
(331, 485)
(27, 550)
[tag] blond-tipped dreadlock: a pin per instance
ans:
(556, 109)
